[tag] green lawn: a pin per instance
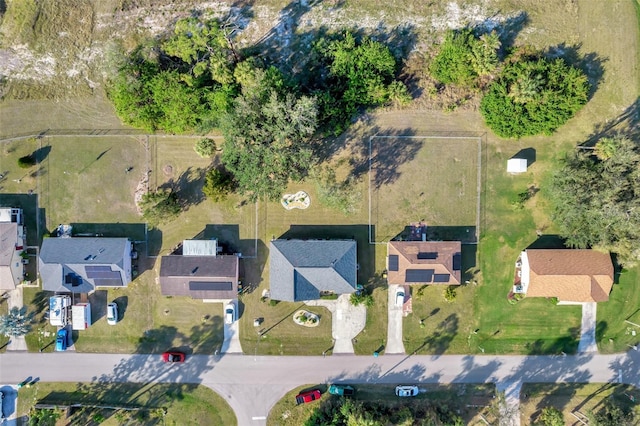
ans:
(570, 397)
(185, 404)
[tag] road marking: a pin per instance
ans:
(259, 418)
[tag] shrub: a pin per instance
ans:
(205, 148)
(534, 96)
(27, 161)
(551, 416)
(273, 302)
(218, 185)
(450, 293)
(160, 206)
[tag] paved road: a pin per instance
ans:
(252, 385)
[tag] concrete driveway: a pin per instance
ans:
(348, 321)
(231, 343)
(394, 324)
(588, 329)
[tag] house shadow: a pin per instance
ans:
(528, 154)
(366, 253)
(98, 301)
(550, 241)
(34, 217)
(464, 234)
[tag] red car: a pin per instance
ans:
(308, 396)
(173, 357)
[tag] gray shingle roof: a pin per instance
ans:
(301, 269)
(201, 277)
(61, 259)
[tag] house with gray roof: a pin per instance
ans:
(80, 265)
(305, 269)
(12, 242)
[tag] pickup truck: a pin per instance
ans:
(341, 390)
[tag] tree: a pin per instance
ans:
(44, 417)
(463, 57)
(534, 95)
(550, 416)
(160, 206)
(218, 185)
(267, 137)
(611, 414)
(16, 323)
(605, 148)
(205, 148)
(596, 203)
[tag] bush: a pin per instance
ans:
(550, 416)
(273, 302)
(205, 148)
(534, 96)
(27, 161)
(160, 206)
(450, 293)
(218, 185)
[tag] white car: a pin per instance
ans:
(400, 296)
(230, 313)
(112, 313)
(407, 390)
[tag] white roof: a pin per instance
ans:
(199, 247)
(5, 215)
(517, 165)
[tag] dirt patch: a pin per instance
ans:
(167, 170)
(141, 189)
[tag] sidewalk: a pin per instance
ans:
(15, 300)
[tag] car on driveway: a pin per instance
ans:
(173, 356)
(230, 313)
(308, 396)
(61, 340)
(404, 390)
(112, 313)
(400, 296)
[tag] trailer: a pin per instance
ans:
(59, 310)
(81, 314)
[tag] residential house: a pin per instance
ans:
(80, 265)
(12, 245)
(424, 262)
(306, 269)
(569, 275)
(200, 272)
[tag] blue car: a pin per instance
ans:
(61, 340)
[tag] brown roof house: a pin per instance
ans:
(12, 242)
(424, 262)
(572, 276)
(200, 272)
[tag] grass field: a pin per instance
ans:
(434, 180)
(568, 398)
(184, 404)
(459, 397)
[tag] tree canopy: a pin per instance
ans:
(463, 57)
(534, 95)
(160, 206)
(597, 200)
(267, 136)
(16, 323)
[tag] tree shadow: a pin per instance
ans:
(188, 187)
(625, 124)
(590, 63)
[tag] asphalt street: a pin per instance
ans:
(252, 385)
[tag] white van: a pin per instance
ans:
(230, 313)
(400, 296)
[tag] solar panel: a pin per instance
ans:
(101, 272)
(393, 262)
(457, 261)
(104, 282)
(418, 275)
(428, 255)
(96, 268)
(210, 286)
(441, 278)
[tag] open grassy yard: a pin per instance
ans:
(457, 397)
(579, 398)
(162, 404)
(434, 180)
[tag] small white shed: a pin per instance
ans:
(517, 165)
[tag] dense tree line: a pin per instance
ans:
(530, 94)
(194, 81)
(596, 198)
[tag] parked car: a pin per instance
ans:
(230, 313)
(1, 406)
(173, 356)
(61, 340)
(402, 390)
(112, 313)
(308, 396)
(341, 390)
(400, 296)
